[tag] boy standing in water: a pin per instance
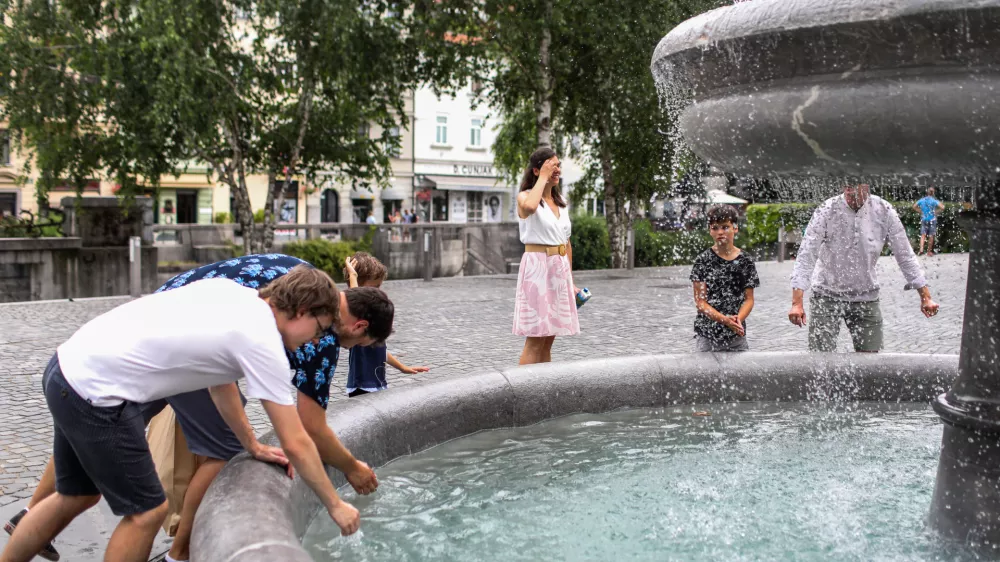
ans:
(366, 364)
(724, 279)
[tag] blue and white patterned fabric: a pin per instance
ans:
(312, 365)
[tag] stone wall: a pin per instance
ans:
(456, 249)
(60, 268)
(91, 261)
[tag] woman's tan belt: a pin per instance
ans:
(547, 250)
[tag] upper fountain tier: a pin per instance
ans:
(847, 88)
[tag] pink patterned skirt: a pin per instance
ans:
(545, 304)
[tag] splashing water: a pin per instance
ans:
(807, 481)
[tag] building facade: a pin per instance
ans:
(443, 172)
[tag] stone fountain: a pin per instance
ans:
(857, 89)
(834, 89)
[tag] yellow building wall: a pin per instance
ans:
(213, 196)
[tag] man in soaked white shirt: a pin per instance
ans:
(837, 259)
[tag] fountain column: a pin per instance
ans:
(966, 503)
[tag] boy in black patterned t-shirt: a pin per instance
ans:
(724, 279)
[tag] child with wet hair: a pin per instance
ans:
(724, 279)
(366, 365)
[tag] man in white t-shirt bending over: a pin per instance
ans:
(205, 335)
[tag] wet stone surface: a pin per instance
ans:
(462, 325)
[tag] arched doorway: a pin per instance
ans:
(329, 206)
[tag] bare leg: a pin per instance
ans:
(923, 237)
(930, 245)
(547, 353)
(534, 349)
(202, 478)
(46, 486)
(40, 525)
(133, 537)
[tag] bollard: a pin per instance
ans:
(428, 255)
(135, 266)
(781, 243)
(630, 248)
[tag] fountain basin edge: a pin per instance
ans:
(253, 512)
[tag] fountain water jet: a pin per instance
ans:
(867, 88)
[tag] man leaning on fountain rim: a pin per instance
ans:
(837, 259)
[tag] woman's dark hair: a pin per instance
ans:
(536, 160)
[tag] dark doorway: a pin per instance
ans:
(389, 209)
(329, 206)
(187, 206)
(8, 204)
(361, 209)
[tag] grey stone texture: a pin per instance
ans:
(850, 88)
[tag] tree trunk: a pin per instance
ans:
(543, 95)
(267, 229)
(613, 210)
(244, 210)
(238, 185)
(269, 221)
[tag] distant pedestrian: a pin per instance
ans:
(837, 259)
(928, 207)
(371, 218)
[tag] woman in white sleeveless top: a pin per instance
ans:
(545, 306)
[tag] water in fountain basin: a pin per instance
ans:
(750, 482)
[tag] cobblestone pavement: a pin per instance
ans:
(462, 325)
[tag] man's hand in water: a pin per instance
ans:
(362, 478)
(346, 517)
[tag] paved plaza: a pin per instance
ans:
(462, 325)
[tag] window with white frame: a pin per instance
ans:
(441, 131)
(4, 148)
(476, 133)
(396, 149)
(475, 208)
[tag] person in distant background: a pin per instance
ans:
(371, 218)
(928, 207)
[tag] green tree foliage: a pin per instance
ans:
(140, 88)
(611, 103)
(560, 71)
(590, 243)
(83, 101)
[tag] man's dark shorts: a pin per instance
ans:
(100, 450)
